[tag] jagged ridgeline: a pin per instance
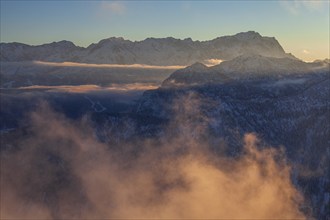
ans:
(152, 51)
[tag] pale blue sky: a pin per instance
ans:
(302, 27)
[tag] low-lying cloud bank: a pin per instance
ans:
(61, 171)
(128, 87)
(88, 65)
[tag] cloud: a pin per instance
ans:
(296, 7)
(113, 7)
(306, 51)
(91, 65)
(291, 6)
(212, 62)
(61, 171)
(94, 88)
(314, 5)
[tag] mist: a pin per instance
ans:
(89, 65)
(58, 169)
(116, 88)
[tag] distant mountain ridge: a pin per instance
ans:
(243, 67)
(151, 51)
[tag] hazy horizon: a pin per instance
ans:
(301, 27)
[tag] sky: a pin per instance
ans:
(301, 27)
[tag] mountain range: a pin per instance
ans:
(151, 51)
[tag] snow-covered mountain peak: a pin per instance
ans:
(113, 40)
(249, 35)
(188, 39)
(195, 74)
(62, 44)
(197, 66)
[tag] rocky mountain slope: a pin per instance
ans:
(290, 111)
(244, 67)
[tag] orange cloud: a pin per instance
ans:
(174, 177)
(88, 65)
(94, 88)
